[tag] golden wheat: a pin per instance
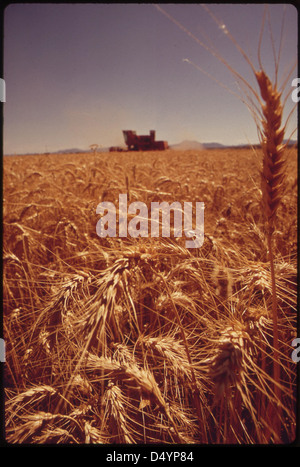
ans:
(141, 340)
(62, 308)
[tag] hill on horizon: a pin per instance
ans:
(192, 144)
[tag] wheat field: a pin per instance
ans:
(141, 340)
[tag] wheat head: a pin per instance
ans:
(271, 137)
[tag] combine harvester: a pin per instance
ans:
(142, 142)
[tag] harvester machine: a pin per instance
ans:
(143, 142)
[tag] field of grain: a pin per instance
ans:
(141, 340)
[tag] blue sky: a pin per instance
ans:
(78, 74)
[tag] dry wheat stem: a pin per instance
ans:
(273, 178)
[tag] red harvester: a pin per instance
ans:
(143, 142)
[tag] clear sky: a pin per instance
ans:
(78, 74)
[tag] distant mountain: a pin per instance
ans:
(69, 151)
(78, 150)
(213, 145)
(187, 144)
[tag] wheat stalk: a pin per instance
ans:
(271, 137)
(136, 380)
(273, 183)
(115, 413)
(273, 175)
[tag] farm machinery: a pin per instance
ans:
(143, 142)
